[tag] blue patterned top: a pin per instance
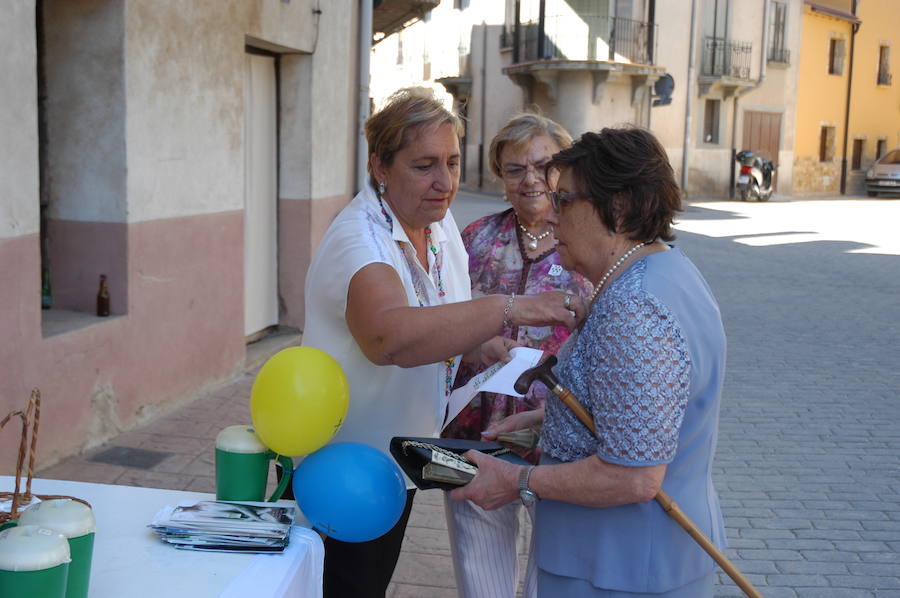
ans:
(648, 364)
(629, 366)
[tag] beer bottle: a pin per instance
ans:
(103, 298)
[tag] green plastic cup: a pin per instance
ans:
(242, 466)
(34, 561)
(75, 521)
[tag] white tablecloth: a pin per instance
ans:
(130, 561)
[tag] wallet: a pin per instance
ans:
(416, 456)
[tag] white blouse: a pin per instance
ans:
(385, 401)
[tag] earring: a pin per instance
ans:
(380, 187)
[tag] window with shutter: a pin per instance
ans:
(884, 65)
(858, 149)
(836, 57)
(826, 144)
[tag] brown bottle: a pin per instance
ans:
(103, 298)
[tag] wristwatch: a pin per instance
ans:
(528, 496)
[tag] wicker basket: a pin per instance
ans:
(30, 417)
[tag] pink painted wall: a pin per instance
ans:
(301, 225)
(183, 332)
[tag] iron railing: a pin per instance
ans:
(726, 58)
(587, 37)
(884, 78)
(782, 55)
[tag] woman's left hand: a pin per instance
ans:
(550, 308)
(495, 484)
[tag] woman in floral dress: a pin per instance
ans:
(513, 251)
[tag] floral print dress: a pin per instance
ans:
(498, 264)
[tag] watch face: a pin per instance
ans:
(528, 497)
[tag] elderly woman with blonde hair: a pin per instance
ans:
(388, 296)
(512, 251)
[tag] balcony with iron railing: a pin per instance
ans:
(726, 58)
(586, 37)
(725, 65)
(544, 51)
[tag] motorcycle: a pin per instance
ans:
(755, 178)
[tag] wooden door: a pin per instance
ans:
(762, 135)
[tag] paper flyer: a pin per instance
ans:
(498, 378)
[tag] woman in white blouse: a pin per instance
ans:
(388, 296)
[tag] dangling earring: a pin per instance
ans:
(380, 188)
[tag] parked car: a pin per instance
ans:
(884, 176)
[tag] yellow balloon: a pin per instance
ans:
(299, 400)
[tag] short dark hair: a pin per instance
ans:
(628, 176)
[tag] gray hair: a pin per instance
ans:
(521, 129)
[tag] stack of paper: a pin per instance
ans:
(225, 526)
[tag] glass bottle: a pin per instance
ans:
(46, 293)
(103, 298)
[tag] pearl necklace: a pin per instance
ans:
(533, 243)
(613, 269)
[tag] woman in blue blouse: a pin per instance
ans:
(647, 363)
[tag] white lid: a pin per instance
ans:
(240, 439)
(32, 548)
(69, 517)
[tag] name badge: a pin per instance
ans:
(556, 270)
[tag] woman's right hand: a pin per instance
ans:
(553, 308)
(516, 421)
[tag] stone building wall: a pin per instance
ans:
(813, 177)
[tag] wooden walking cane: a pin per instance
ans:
(543, 373)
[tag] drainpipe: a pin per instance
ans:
(651, 43)
(854, 4)
(484, 52)
(763, 63)
(362, 108)
(692, 51)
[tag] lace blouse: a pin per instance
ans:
(631, 369)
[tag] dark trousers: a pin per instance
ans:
(364, 569)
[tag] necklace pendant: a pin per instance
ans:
(532, 245)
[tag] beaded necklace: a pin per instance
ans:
(448, 363)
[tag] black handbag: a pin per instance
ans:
(417, 456)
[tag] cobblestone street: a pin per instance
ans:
(808, 465)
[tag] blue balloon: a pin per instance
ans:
(350, 491)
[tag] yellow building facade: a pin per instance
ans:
(875, 95)
(845, 43)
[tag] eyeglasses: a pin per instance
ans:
(557, 199)
(515, 173)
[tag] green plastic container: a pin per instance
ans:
(242, 466)
(75, 521)
(34, 561)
